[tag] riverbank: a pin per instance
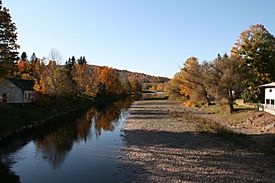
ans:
(16, 119)
(167, 142)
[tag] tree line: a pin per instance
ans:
(250, 64)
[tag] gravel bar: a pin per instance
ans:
(164, 144)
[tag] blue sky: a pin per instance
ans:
(150, 36)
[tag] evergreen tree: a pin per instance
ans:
(73, 60)
(33, 58)
(8, 46)
(69, 64)
(24, 56)
(84, 60)
(81, 60)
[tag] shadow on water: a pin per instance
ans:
(6, 175)
(54, 141)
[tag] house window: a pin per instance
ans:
(26, 95)
(29, 95)
(272, 101)
(270, 90)
(267, 101)
(4, 98)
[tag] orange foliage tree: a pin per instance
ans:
(108, 82)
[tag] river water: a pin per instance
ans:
(82, 147)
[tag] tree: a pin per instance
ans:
(108, 82)
(8, 46)
(178, 88)
(225, 78)
(69, 65)
(85, 79)
(256, 49)
(54, 81)
(73, 60)
(55, 56)
(24, 56)
(33, 58)
(194, 75)
(135, 84)
(82, 60)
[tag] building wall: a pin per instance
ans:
(270, 93)
(14, 94)
(28, 96)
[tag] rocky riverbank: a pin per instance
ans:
(166, 142)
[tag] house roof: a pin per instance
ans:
(23, 84)
(268, 85)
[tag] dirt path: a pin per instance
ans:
(170, 143)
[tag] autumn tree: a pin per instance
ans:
(125, 83)
(8, 46)
(135, 84)
(85, 78)
(225, 78)
(34, 66)
(108, 82)
(178, 88)
(256, 48)
(54, 81)
(194, 75)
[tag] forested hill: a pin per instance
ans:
(141, 77)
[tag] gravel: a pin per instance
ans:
(164, 144)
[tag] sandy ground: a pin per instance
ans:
(166, 142)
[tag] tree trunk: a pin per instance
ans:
(207, 98)
(231, 107)
(230, 101)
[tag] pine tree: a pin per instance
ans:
(8, 46)
(84, 60)
(81, 60)
(73, 60)
(24, 56)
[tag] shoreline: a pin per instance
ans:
(34, 124)
(31, 125)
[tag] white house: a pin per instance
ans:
(269, 102)
(16, 91)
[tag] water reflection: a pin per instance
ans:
(6, 175)
(55, 146)
(54, 143)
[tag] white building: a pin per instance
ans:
(16, 91)
(269, 102)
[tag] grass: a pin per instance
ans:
(239, 116)
(266, 145)
(238, 139)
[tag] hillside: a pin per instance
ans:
(143, 78)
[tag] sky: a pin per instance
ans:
(148, 36)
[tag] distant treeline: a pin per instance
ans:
(78, 78)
